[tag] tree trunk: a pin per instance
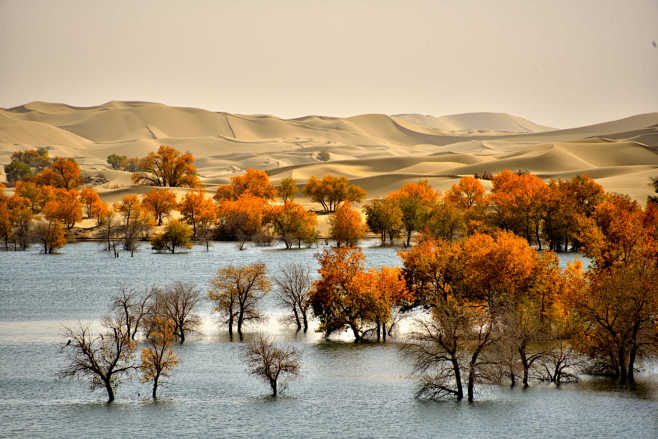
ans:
(631, 364)
(110, 391)
(155, 386)
(525, 364)
(355, 331)
(181, 335)
(274, 387)
(384, 332)
(623, 372)
(305, 319)
(458, 378)
(299, 324)
(471, 382)
(230, 326)
(409, 237)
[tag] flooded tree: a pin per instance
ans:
(132, 309)
(158, 359)
(102, 359)
(270, 362)
(177, 303)
(176, 235)
(236, 292)
(294, 282)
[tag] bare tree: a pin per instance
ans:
(132, 309)
(236, 292)
(437, 348)
(559, 364)
(294, 282)
(176, 303)
(269, 362)
(101, 359)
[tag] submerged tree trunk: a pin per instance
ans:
(458, 378)
(110, 390)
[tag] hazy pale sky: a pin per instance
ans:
(559, 63)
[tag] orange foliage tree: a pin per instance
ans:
(243, 218)
(619, 302)
(415, 201)
(287, 189)
(160, 202)
(167, 167)
(254, 182)
(293, 223)
(88, 197)
(518, 200)
(330, 191)
(470, 197)
(196, 208)
(346, 296)
(66, 207)
(346, 225)
(384, 217)
(158, 359)
(62, 173)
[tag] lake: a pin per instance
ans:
(345, 390)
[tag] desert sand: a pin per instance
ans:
(376, 151)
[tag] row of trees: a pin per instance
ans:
(496, 308)
(499, 309)
(552, 214)
(162, 316)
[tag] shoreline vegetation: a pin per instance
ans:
(480, 265)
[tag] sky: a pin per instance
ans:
(558, 63)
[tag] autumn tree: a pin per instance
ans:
(237, 291)
(175, 303)
(619, 301)
(50, 234)
(253, 182)
(346, 225)
(293, 223)
(270, 362)
(158, 359)
(5, 222)
(19, 216)
(384, 217)
(65, 207)
(518, 201)
(293, 284)
(24, 164)
(243, 218)
(160, 202)
(167, 167)
(330, 191)
(383, 289)
(101, 359)
(336, 300)
(175, 235)
(469, 196)
(415, 201)
(196, 208)
(136, 221)
(88, 197)
(444, 221)
(38, 195)
(62, 173)
(287, 189)
(106, 219)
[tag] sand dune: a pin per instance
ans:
(377, 151)
(475, 122)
